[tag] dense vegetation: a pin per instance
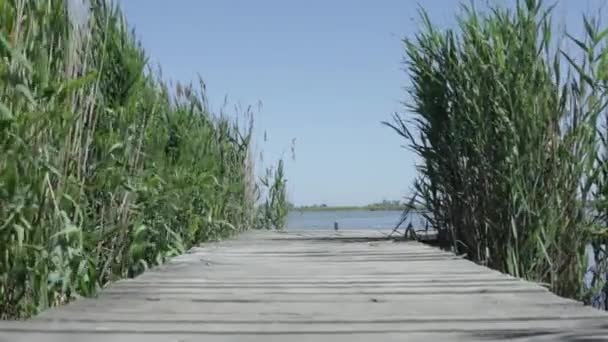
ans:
(384, 205)
(510, 128)
(104, 169)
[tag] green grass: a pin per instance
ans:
(507, 127)
(105, 170)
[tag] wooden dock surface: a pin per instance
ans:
(316, 286)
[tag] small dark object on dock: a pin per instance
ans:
(336, 225)
(410, 234)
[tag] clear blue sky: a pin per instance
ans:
(326, 72)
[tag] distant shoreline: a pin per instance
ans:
(349, 208)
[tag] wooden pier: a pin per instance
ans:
(316, 286)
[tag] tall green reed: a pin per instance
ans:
(104, 170)
(506, 130)
(273, 211)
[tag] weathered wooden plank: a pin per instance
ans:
(321, 286)
(488, 336)
(363, 325)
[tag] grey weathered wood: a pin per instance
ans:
(316, 286)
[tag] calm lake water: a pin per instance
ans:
(350, 219)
